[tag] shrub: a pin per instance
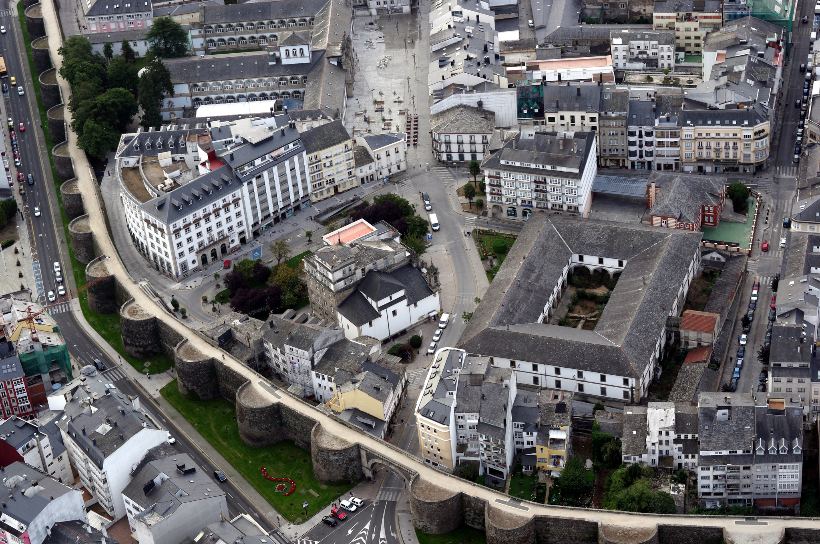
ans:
(6, 243)
(501, 246)
(415, 341)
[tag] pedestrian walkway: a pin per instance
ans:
(785, 171)
(7, 13)
(59, 308)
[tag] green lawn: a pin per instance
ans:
(526, 487)
(107, 325)
(733, 233)
(495, 245)
(294, 261)
(464, 535)
(215, 420)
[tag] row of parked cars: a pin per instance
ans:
(339, 512)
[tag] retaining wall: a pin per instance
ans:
(82, 239)
(56, 122)
(49, 89)
(62, 162)
(34, 21)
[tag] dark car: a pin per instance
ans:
(753, 305)
(741, 352)
(763, 376)
(5, 88)
(220, 476)
(30, 179)
(804, 20)
(99, 365)
(330, 520)
(772, 314)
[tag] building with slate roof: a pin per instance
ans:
(643, 50)
(170, 498)
(388, 151)
(661, 434)
(685, 202)
(40, 445)
(386, 304)
(790, 361)
(730, 140)
(193, 195)
(612, 123)
(617, 360)
(242, 528)
(462, 133)
(33, 503)
(751, 450)
(105, 435)
(116, 16)
(329, 151)
(541, 171)
(77, 532)
(16, 389)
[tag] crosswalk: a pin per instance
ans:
(59, 308)
(306, 541)
(38, 278)
(114, 374)
(785, 171)
(389, 494)
(7, 13)
(417, 374)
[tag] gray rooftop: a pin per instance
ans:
(662, 37)
(641, 113)
(687, 6)
(304, 336)
(544, 149)
(726, 421)
(162, 485)
(115, 8)
(261, 11)
(324, 136)
(789, 345)
(378, 141)
(361, 156)
(683, 196)
(173, 138)
(779, 424)
(505, 324)
(463, 119)
(193, 196)
(378, 285)
(614, 101)
(745, 117)
(76, 532)
(238, 66)
(17, 432)
(633, 441)
(572, 97)
(102, 431)
(29, 492)
(442, 378)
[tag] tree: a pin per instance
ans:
(415, 341)
(574, 486)
(739, 194)
(108, 50)
(127, 52)
(75, 50)
(174, 304)
(122, 73)
(640, 497)
(117, 106)
(280, 250)
(167, 38)
(97, 139)
(763, 353)
(309, 235)
(469, 193)
(479, 203)
(154, 84)
(293, 289)
(475, 170)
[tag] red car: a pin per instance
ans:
(22, 127)
(338, 513)
(21, 177)
(764, 246)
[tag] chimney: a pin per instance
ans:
(231, 156)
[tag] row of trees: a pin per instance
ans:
(8, 207)
(108, 90)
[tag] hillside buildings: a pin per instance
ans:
(546, 171)
(40, 446)
(462, 133)
(617, 360)
(661, 434)
(643, 50)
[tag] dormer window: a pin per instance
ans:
(136, 145)
(159, 144)
(797, 450)
(760, 450)
(783, 450)
(148, 145)
(773, 451)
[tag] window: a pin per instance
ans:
(603, 377)
(395, 313)
(535, 380)
(534, 367)
(580, 388)
(603, 391)
(557, 371)
(626, 381)
(558, 384)
(581, 374)
(626, 395)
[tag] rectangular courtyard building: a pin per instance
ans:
(616, 354)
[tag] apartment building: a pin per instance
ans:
(329, 151)
(643, 50)
(169, 499)
(462, 133)
(680, 201)
(35, 502)
(790, 361)
(15, 387)
(193, 195)
(588, 69)
(546, 171)
(112, 17)
(106, 434)
(667, 133)
(573, 107)
(612, 130)
(661, 434)
(698, 329)
(751, 451)
(388, 151)
(541, 429)
(724, 140)
(435, 412)
(691, 20)
(614, 362)
(333, 271)
(641, 135)
(40, 446)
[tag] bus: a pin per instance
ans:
(434, 222)
(3, 72)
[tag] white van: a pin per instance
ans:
(434, 222)
(445, 319)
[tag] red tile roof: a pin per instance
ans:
(692, 320)
(698, 355)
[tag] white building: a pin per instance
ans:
(33, 503)
(170, 498)
(462, 134)
(193, 195)
(329, 149)
(547, 171)
(108, 16)
(389, 153)
(41, 446)
(106, 435)
(661, 434)
(386, 304)
(644, 50)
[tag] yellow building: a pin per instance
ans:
(374, 393)
(690, 19)
(715, 141)
(331, 167)
(552, 443)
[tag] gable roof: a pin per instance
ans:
(693, 320)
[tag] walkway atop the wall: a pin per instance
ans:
(736, 529)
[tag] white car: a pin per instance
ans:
(442, 323)
(51, 297)
(36, 211)
(2, 30)
(437, 335)
(20, 90)
(783, 242)
(743, 339)
(171, 439)
(432, 349)
(348, 505)
(57, 267)
(357, 501)
(60, 290)
(58, 277)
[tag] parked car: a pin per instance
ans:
(764, 246)
(357, 501)
(36, 211)
(741, 352)
(170, 439)
(736, 373)
(51, 296)
(338, 513)
(783, 241)
(437, 335)
(220, 476)
(330, 520)
(348, 505)
(743, 339)
(20, 91)
(445, 319)
(22, 126)
(772, 314)
(431, 349)
(753, 305)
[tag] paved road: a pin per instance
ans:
(547, 15)
(375, 523)
(48, 247)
